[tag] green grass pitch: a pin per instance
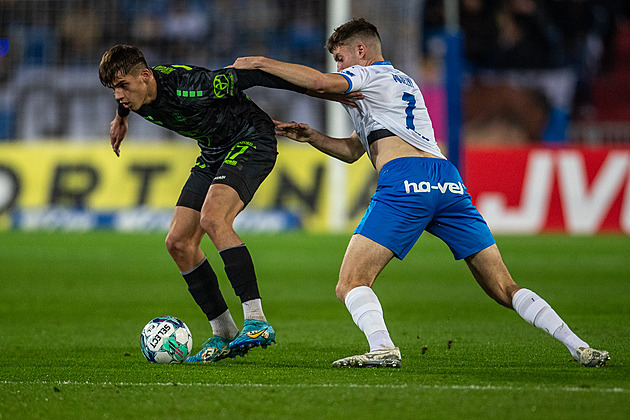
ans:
(72, 307)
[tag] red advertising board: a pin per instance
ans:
(533, 190)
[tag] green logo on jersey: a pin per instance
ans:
(164, 69)
(221, 85)
(169, 69)
(189, 93)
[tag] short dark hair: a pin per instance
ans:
(359, 28)
(120, 61)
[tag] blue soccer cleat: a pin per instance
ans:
(214, 349)
(255, 333)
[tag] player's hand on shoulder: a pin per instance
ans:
(296, 131)
(245, 63)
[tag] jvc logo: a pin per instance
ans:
(586, 204)
(425, 186)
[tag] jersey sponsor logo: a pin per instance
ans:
(221, 85)
(425, 186)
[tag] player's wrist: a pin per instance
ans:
(311, 138)
(262, 63)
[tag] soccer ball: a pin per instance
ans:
(166, 339)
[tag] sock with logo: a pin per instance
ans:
(367, 313)
(203, 285)
(239, 268)
(533, 309)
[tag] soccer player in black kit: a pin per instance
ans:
(238, 151)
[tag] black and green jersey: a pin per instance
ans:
(210, 106)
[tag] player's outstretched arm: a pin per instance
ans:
(297, 74)
(117, 131)
(347, 149)
(250, 78)
(348, 99)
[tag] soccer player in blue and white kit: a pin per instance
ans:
(417, 190)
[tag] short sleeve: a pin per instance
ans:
(356, 76)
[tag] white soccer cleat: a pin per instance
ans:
(592, 358)
(377, 358)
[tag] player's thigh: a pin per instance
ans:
(221, 206)
(185, 229)
(362, 263)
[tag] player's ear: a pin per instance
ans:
(361, 50)
(145, 74)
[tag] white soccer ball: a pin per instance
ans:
(166, 339)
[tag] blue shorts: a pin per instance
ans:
(414, 194)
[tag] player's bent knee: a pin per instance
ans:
(344, 286)
(177, 246)
(211, 225)
(501, 300)
(341, 292)
(504, 296)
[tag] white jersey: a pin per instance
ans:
(392, 101)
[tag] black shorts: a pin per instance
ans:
(243, 168)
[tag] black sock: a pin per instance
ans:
(239, 268)
(203, 285)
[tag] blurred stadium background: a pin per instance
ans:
(543, 90)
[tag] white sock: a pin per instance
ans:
(252, 309)
(533, 309)
(367, 313)
(224, 326)
(380, 340)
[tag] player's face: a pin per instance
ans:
(345, 57)
(131, 90)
